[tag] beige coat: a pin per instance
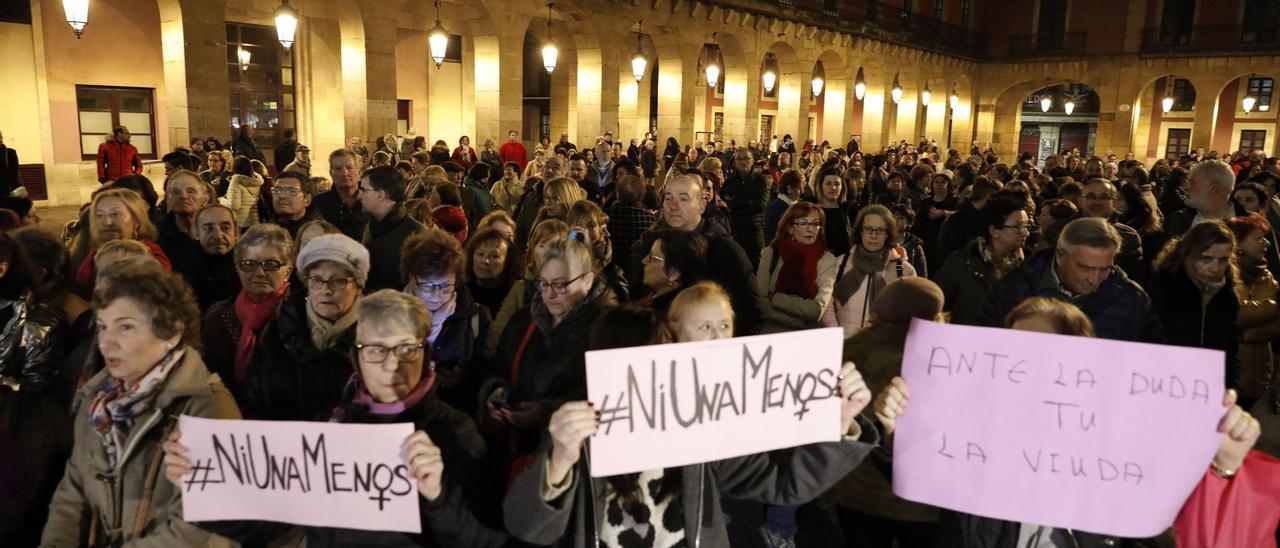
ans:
(242, 198)
(116, 501)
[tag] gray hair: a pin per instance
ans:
(389, 307)
(271, 235)
(1088, 232)
(1217, 173)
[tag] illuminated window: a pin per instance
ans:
(101, 109)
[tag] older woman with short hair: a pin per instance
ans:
(434, 264)
(302, 359)
(119, 214)
(264, 260)
(492, 267)
(147, 340)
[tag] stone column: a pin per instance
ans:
(194, 36)
(380, 67)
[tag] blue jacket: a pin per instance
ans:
(1119, 308)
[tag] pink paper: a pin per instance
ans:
(306, 473)
(685, 403)
(1089, 434)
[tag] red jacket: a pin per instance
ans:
(514, 152)
(116, 160)
(88, 272)
(464, 160)
(1242, 511)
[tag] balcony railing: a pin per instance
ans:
(1047, 44)
(876, 19)
(1211, 39)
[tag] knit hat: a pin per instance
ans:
(908, 298)
(337, 248)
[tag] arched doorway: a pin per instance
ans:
(1064, 116)
(1164, 115)
(1246, 116)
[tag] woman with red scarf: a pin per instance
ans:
(796, 272)
(264, 261)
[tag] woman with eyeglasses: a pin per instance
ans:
(970, 272)
(433, 263)
(540, 361)
(587, 217)
(394, 382)
(796, 272)
(302, 359)
(230, 330)
(862, 272)
(677, 260)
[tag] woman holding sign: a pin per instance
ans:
(1046, 315)
(796, 272)
(395, 384)
(556, 500)
(113, 493)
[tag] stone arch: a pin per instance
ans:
(960, 121)
(634, 96)
(733, 103)
(832, 103)
(871, 117)
(1005, 117)
(1230, 120)
(792, 98)
(1151, 125)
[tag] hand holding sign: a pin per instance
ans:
(853, 389)
(1239, 432)
(425, 463)
(892, 403)
(571, 425)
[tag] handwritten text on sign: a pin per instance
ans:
(712, 400)
(307, 473)
(1090, 434)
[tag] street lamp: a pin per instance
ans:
(1166, 104)
(715, 63)
(1069, 106)
(896, 91)
(438, 39)
(860, 85)
(769, 72)
(549, 51)
(287, 24)
(926, 95)
(819, 79)
(954, 99)
(245, 56)
(1046, 102)
(77, 12)
(638, 61)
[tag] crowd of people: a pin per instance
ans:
(458, 289)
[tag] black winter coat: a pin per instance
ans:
(747, 196)
(958, 230)
(966, 280)
(212, 277)
(1119, 308)
(1188, 321)
(460, 346)
(178, 246)
(350, 219)
(291, 379)
(465, 514)
(384, 238)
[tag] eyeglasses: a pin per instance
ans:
(874, 230)
(336, 284)
(807, 224)
(286, 191)
(266, 266)
(1018, 228)
(1099, 197)
(559, 287)
(651, 258)
(433, 287)
(376, 353)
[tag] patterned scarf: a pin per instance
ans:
(117, 404)
(1000, 265)
(253, 317)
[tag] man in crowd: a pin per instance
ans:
(116, 157)
(513, 150)
(184, 195)
(747, 194)
(599, 177)
(211, 271)
(286, 151)
(1208, 197)
(682, 207)
(1081, 270)
(1098, 201)
(301, 162)
(8, 168)
(381, 196)
(291, 198)
(341, 204)
(563, 147)
(965, 224)
(578, 172)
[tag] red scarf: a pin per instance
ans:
(253, 317)
(799, 274)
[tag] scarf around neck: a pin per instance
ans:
(253, 317)
(1000, 264)
(799, 272)
(325, 333)
(118, 405)
(366, 400)
(865, 263)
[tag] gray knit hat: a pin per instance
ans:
(337, 248)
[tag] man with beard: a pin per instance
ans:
(1208, 197)
(184, 194)
(211, 272)
(291, 198)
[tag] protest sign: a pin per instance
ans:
(1101, 436)
(685, 403)
(308, 473)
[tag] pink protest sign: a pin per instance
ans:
(308, 473)
(1101, 436)
(712, 400)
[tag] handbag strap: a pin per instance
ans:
(515, 363)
